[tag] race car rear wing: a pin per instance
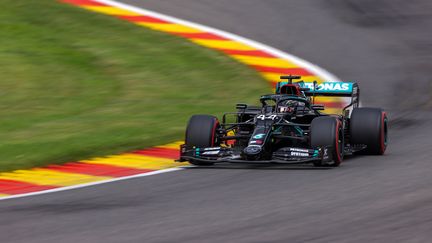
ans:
(336, 89)
(340, 89)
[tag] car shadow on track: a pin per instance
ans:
(239, 166)
(228, 166)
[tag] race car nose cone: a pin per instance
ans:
(252, 150)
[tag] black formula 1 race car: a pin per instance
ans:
(288, 128)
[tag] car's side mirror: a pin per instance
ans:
(304, 89)
(241, 106)
(317, 107)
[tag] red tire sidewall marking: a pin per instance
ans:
(339, 159)
(382, 133)
(214, 132)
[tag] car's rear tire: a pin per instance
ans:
(201, 132)
(328, 131)
(368, 126)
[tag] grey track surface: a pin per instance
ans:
(385, 45)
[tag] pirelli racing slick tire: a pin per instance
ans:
(368, 126)
(201, 132)
(328, 131)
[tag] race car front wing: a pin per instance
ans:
(286, 155)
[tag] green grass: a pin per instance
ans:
(76, 84)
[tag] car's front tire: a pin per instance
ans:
(328, 131)
(201, 132)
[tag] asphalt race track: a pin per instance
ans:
(384, 45)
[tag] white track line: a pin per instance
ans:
(325, 75)
(91, 184)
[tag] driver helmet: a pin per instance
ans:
(288, 106)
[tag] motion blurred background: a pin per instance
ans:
(76, 84)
